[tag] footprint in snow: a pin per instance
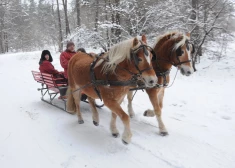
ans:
(226, 117)
(32, 115)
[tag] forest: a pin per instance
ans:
(28, 25)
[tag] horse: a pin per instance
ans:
(109, 77)
(171, 49)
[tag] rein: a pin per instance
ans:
(132, 82)
(162, 73)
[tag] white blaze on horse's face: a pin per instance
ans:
(187, 68)
(150, 81)
(148, 57)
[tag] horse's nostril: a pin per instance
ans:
(188, 72)
(151, 82)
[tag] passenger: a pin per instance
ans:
(84, 51)
(45, 65)
(81, 50)
(66, 56)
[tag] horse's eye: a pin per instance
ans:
(139, 59)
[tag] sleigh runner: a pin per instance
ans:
(54, 88)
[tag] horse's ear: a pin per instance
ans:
(144, 39)
(135, 41)
(188, 34)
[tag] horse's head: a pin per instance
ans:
(141, 57)
(182, 54)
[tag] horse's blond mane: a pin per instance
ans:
(119, 53)
(174, 35)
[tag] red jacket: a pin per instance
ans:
(47, 67)
(64, 60)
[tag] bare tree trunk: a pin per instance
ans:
(1, 29)
(65, 4)
(96, 15)
(1, 43)
(107, 30)
(195, 32)
(78, 13)
(113, 21)
(117, 20)
(60, 28)
(5, 42)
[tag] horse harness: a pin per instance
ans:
(166, 73)
(179, 53)
(131, 82)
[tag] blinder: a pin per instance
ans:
(137, 60)
(134, 53)
(179, 52)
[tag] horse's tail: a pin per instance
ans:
(71, 105)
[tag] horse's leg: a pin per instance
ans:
(130, 108)
(160, 97)
(95, 114)
(116, 108)
(156, 98)
(77, 99)
(113, 127)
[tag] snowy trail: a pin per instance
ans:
(199, 113)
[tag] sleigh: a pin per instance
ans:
(53, 90)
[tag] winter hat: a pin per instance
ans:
(45, 52)
(70, 43)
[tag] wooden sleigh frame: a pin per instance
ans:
(52, 87)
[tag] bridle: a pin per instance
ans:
(178, 55)
(164, 74)
(137, 60)
(134, 76)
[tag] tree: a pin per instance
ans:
(65, 4)
(78, 13)
(60, 27)
(96, 15)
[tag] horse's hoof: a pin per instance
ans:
(145, 113)
(80, 122)
(163, 133)
(95, 123)
(115, 135)
(124, 142)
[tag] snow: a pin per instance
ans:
(198, 113)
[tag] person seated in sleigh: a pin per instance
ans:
(45, 65)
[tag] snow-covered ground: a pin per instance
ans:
(199, 113)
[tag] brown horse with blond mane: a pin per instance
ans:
(171, 49)
(110, 77)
